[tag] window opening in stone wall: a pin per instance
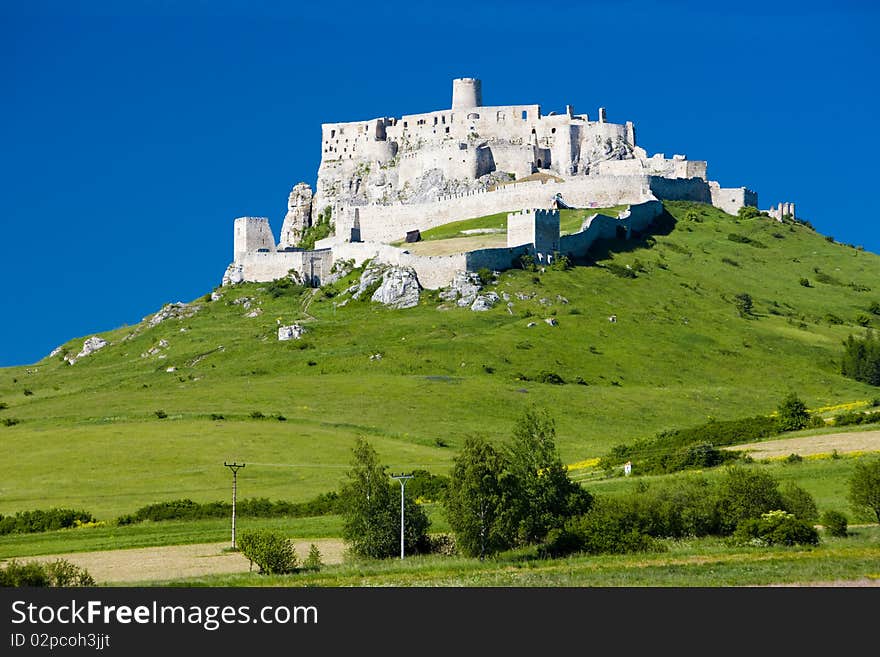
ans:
(473, 115)
(553, 131)
(332, 133)
(525, 115)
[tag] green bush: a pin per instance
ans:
(856, 417)
(776, 528)
(271, 551)
(745, 493)
(744, 304)
(313, 561)
(58, 573)
(161, 414)
(607, 528)
(835, 523)
(254, 507)
(485, 275)
(792, 413)
(799, 502)
(30, 522)
(861, 359)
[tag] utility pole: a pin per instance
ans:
(402, 478)
(235, 467)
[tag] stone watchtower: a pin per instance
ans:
(466, 93)
(252, 234)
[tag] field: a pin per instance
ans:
(154, 415)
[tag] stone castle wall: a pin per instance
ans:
(389, 223)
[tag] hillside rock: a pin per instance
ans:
(178, 310)
(399, 288)
(485, 302)
(90, 346)
(464, 289)
(234, 274)
(292, 332)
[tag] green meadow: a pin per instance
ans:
(90, 435)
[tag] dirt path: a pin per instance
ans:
(856, 441)
(178, 561)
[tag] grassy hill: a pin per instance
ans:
(89, 435)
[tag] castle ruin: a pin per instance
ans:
(383, 178)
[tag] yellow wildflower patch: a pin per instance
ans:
(583, 465)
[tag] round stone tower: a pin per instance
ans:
(466, 92)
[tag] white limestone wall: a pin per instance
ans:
(389, 223)
(265, 267)
(732, 199)
(312, 266)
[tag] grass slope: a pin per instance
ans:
(679, 352)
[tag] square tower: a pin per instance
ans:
(252, 234)
(540, 228)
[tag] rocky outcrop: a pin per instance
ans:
(292, 332)
(90, 346)
(298, 217)
(463, 290)
(485, 302)
(398, 287)
(234, 274)
(177, 310)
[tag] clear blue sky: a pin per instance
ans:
(131, 138)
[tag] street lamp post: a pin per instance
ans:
(402, 478)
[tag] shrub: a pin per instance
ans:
(57, 573)
(550, 377)
(864, 487)
(10, 421)
(793, 458)
(271, 551)
(835, 523)
(799, 502)
(485, 275)
(776, 528)
(217, 416)
(792, 413)
(63, 573)
(744, 304)
(161, 414)
(3, 406)
(313, 561)
(745, 493)
(607, 528)
(560, 262)
(527, 262)
(27, 392)
(805, 282)
(257, 415)
(30, 522)
(861, 359)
